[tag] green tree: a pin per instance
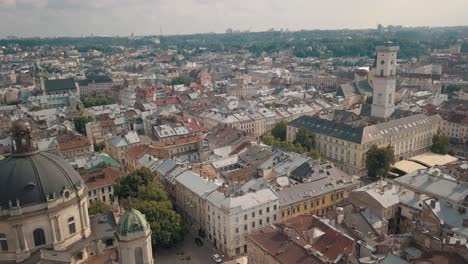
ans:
(99, 147)
(140, 191)
(185, 80)
(305, 139)
(80, 123)
(440, 144)
(378, 161)
(129, 186)
(90, 102)
(279, 131)
(98, 207)
(268, 139)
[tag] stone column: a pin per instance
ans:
(85, 214)
(52, 227)
(82, 223)
(23, 238)
(59, 229)
(19, 241)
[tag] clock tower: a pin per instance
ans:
(383, 99)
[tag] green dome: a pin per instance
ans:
(132, 222)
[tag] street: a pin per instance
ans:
(186, 253)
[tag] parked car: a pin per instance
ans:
(198, 241)
(217, 258)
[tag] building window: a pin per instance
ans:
(253, 214)
(79, 256)
(39, 237)
(245, 227)
(274, 217)
(274, 207)
(253, 224)
(71, 225)
(3, 242)
(245, 217)
(237, 230)
(268, 209)
(260, 222)
(260, 212)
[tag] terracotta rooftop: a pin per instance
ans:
(176, 142)
(292, 241)
(74, 143)
(103, 177)
(137, 151)
(167, 101)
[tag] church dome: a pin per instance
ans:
(29, 177)
(132, 221)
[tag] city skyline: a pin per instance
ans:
(51, 18)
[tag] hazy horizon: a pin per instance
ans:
(75, 18)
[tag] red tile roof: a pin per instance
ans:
(290, 243)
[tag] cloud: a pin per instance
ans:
(7, 4)
(83, 17)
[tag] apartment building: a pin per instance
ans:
(346, 144)
(190, 195)
(231, 217)
(253, 122)
(455, 126)
(326, 188)
(303, 239)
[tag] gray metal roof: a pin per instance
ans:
(30, 179)
(296, 193)
(59, 85)
(330, 128)
(433, 182)
(195, 183)
(363, 134)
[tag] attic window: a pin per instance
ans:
(66, 194)
(29, 186)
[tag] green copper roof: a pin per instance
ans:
(132, 222)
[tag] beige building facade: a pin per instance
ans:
(346, 145)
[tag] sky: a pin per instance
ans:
(50, 18)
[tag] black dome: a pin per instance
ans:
(32, 179)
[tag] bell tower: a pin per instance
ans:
(383, 98)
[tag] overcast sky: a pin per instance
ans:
(29, 18)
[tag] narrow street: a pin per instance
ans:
(186, 253)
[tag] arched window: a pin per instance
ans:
(3, 242)
(138, 255)
(71, 225)
(39, 237)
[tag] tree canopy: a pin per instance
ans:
(98, 207)
(279, 131)
(80, 123)
(440, 144)
(185, 80)
(140, 191)
(378, 161)
(90, 102)
(305, 139)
